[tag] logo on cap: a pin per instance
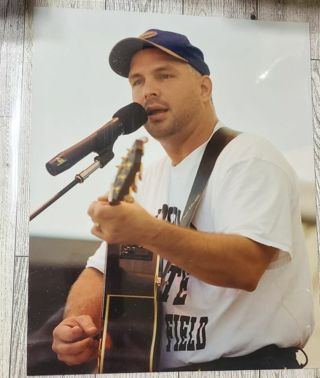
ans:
(148, 34)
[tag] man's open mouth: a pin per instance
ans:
(154, 111)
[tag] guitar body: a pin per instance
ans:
(131, 311)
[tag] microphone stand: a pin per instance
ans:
(103, 158)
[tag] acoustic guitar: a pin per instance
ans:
(130, 310)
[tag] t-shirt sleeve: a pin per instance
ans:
(256, 201)
(97, 260)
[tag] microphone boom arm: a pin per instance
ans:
(100, 161)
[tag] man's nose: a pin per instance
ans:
(150, 89)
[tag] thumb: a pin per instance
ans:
(87, 325)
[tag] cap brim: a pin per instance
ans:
(122, 53)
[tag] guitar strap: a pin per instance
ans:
(213, 149)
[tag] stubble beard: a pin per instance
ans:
(160, 132)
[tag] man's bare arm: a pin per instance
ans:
(225, 260)
(85, 296)
(73, 338)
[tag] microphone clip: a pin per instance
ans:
(104, 156)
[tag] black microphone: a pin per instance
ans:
(125, 121)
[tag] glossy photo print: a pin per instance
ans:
(172, 195)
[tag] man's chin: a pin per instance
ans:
(152, 128)
(156, 131)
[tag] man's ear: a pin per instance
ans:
(206, 88)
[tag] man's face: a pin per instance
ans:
(168, 89)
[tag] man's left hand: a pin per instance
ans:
(124, 223)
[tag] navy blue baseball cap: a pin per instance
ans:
(174, 44)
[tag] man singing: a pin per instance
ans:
(246, 301)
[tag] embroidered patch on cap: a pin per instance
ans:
(148, 34)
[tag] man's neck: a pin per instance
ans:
(180, 146)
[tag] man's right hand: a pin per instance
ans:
(73, 340)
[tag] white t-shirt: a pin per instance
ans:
(252, 192)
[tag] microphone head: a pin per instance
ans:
(132, 117)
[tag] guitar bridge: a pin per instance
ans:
(135, 252)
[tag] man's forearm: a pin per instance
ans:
(219, 259)
(226, 260)
(85, 296)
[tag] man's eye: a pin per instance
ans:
(165, 76)
(136, 82)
